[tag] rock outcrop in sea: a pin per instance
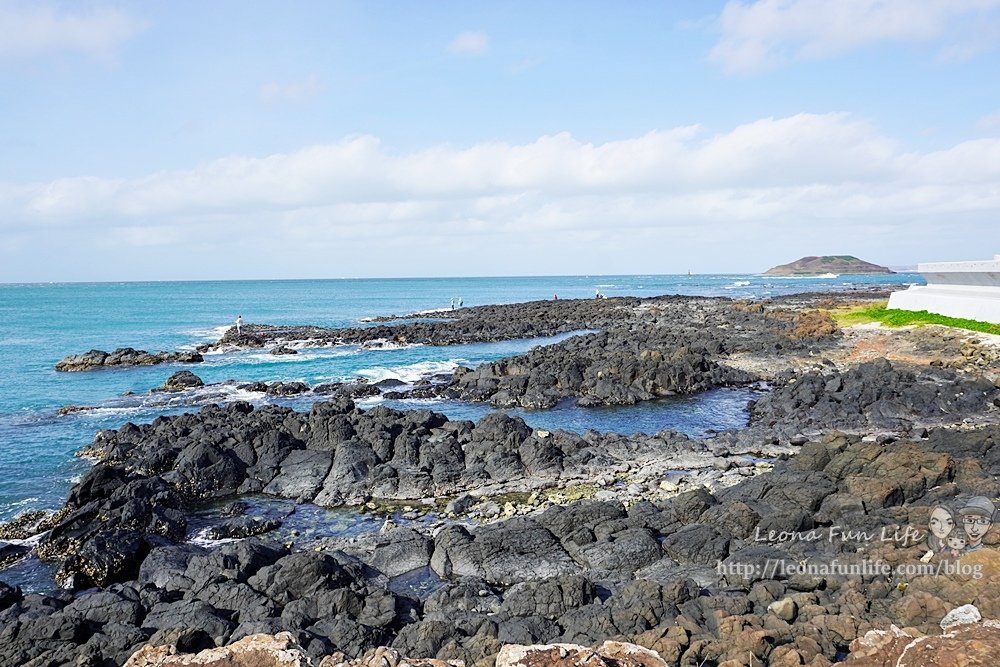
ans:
(123, 357)
(836, 264)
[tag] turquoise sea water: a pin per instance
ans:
(41, 323)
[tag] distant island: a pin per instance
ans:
(839, 264)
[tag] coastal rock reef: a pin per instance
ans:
(802, 539)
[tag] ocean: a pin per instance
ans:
(41, 323)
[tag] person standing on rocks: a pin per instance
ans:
(239, 324)
(977, 517)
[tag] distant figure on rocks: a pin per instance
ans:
(555, 297)
(453, 304)
(460, 302)
(597, 294)
(239, 324)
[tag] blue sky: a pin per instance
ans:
(190, 140)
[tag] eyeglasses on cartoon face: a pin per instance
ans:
(976, 520)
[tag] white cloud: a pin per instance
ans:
(470, 43)
(767, 33)
(295, 92)
(830, 177)
(30, 30)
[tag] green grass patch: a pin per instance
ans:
(902, 318)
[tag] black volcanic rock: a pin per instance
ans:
(686, 575)
(287, 388)
(182, 380)
(875, 393)
(242, 527)
(586, 572)
(122, 357)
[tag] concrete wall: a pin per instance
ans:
(955, 289)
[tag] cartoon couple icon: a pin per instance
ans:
(945, 536)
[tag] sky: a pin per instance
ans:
(233, 140)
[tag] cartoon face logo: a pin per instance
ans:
(956, 541)
(941, 524)
(977, 517)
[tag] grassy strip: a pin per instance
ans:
(902, 318)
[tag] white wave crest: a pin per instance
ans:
(211, 334)
(203, 540)
(382, 344)
(411, 372)
(21, 503)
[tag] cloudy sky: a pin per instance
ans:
(189, 140)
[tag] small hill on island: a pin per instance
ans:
(839, 264)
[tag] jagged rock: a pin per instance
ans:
(875, 393)
(241, 527)
(287, 388)
(516, 550)
(189, 615)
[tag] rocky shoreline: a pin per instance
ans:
(707, 551)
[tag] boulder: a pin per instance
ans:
(182, 380)
(963, 615)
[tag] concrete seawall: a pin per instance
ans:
(956, 289)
